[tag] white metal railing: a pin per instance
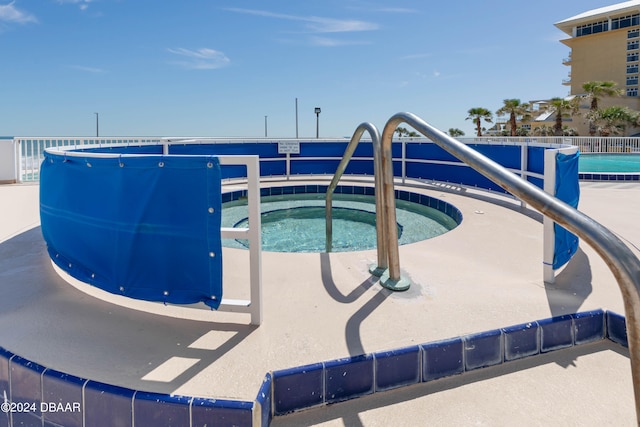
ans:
(29, 150)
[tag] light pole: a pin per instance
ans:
(265, 126)
(317, 111)
(97, 128)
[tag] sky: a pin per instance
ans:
(218, 67)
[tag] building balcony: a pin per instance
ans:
(566, 82)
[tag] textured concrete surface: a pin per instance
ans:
(485, 274)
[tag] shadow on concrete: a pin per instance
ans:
(572, 286)
(330, 285)
(352, 328)
(78, 334)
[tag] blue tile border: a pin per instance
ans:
(483, 349)
(297, 388)
(397, 368)
(606, 176)
(349, 378)
(617, 329)
(289, 390)
(422, 199)
(521, 341)
(442, 359)
(556, 333)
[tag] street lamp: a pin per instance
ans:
(317, 111)
(97, 133)
(265, 126)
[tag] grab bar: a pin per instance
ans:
(624, 265)
(351, 148)
(386, 230)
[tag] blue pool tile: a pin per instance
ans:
(588, 327)
(442, 359)
(311, 189)
(322, 189)
(521, 341)
(404, 195)
(298, 388)
(222, 413)
(483, 349)
(287, 190)
(617, 328)
(160, 410)
(397, 368)
(299, 189)
(369, 191)
(26, 388)
(556, 333)
(62, 398)
(358, 190)
(264, 192)
(276, 191)
(264, 399)
(414, 198)
(106, 405)
(349, 378)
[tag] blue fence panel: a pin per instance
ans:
(535, 159)
(456, 174)
(506, 155)
(430, 151)
(142, 227)
(567, 189)
(262, 149)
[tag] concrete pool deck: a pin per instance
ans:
(485, 274)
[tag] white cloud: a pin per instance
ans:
(82, 4)
(10, 13)
(315, 24)
(201, 59)
(331, 42)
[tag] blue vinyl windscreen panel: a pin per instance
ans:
(568, 190)
(143, 227)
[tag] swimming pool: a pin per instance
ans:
(295, 222)
(610, 162)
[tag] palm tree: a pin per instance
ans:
(405, 132)
(515, 108)
(595, 90)
(455, 132)
(477, 115)
(614, 120)
(562, 107)
(543, 130)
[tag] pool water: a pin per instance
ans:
(610, 162)
(296, 222)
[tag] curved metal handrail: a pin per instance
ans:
(624, 265)
(377, 169)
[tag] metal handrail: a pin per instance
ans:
(377, 173)
(624, 265)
